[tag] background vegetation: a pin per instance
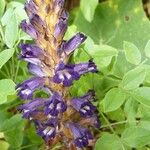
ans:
(119, 42)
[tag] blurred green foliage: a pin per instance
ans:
(118, 41)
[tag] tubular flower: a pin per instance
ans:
(58, 118)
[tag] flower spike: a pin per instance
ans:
(58, 118)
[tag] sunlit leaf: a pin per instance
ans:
(7, 87)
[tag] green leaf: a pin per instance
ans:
(20, 13)
(132, 53)
(11, 29)
(5, 56)
(70, 32)
(88, 9)
(113, 99)
(13, 131)
(4, 145)
(108, 142)
(133, 78)
(32, 135)
(2, 7)
(147, 49)
(3, 116)
(130, 109)
(117, 115)
(114, 23)
(142, 95)
(147, 68)
(102, 51)
(10, 124)
(136, 137)
(7, 16)
(7, 87)
(102, 55)
(145, 124)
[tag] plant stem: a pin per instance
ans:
(17, 69)
(108, 123)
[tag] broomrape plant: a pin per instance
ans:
(59, 118)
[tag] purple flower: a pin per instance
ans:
(91, 121)
(32, 107)
(37, 23)
(29, 29)
(49, 129)
(61, 27)
(67, 73)
(94, 120)
(30, 7)
(36, 70)
(55, 105)
(58, 4)
(26, 89)
(83, 105)
(90, 95)
(31, 53)
(81, 135)
(73, 43)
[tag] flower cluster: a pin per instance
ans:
(58, 118)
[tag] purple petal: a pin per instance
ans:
(74, 43)
(36, 70)
(94, 121)
(83, 105)
(83, 68)
(58, 4)
(29, 29)
(60, 29)
(81, 135)
(32, 107)
(55, 105)
(30, 7)
(26, 89)
(48, 131)
(29, 50)
(66, 74)
(31, 53)
(37, 22)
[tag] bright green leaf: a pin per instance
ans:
(145, 124)
(132, 53)
(7, 87)
(4, 145)
(2, 7)
(102, 55)
(88, 9)
(114, 23)
(133, 78)
(147, 49)
(113, 99)
(11, 32)
(20, 13)
(136, 137)
(108, 142)
(117, 115)
(142, 95)
(130, 109)
(5, 55)
(10, 124)
(7, 17)
(102, 51)
(13, 131)
(70, 32)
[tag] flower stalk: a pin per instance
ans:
(58, 118)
